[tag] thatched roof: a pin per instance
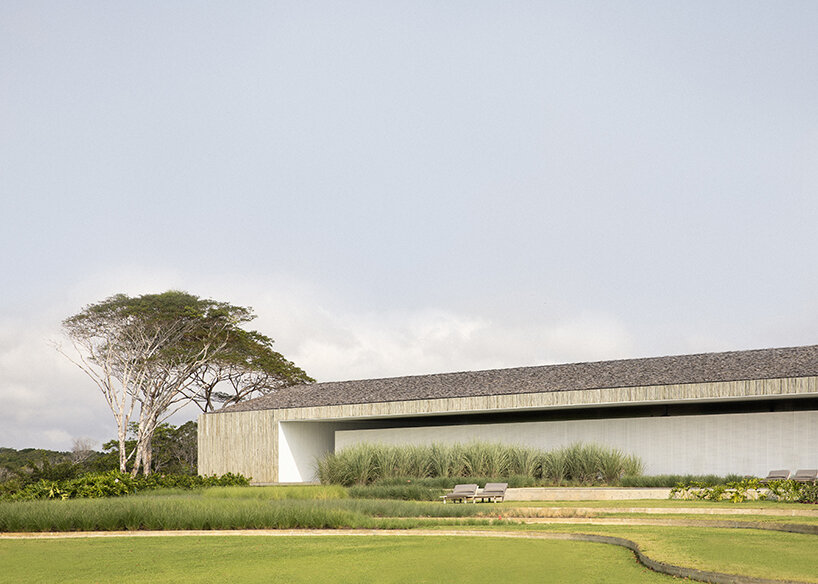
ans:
(704, 367)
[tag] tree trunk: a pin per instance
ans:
(123, 459)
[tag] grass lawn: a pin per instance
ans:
(325, 559)
(750, 552)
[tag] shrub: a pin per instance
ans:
(629, 480)
(115, 484)
(809, 494)
(746, 489)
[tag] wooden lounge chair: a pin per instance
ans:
(806, 475)
(493, 492)
(776, 475)
(461, 493)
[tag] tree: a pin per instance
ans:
(151, 351)
(82, 450)
(247, 365)
(174, 448)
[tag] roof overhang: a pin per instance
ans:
(727, 391)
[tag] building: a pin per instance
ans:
(743, 412)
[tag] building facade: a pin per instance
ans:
(742, 412)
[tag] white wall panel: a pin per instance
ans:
(752, 444)
(299, 445)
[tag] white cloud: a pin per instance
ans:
(48, 401)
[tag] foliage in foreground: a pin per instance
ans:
(578, 463)
(788, 491)
(112, 484)
(647, 481)
(198, 511)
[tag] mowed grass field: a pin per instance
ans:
(324, 559)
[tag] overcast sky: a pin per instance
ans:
(407, 187)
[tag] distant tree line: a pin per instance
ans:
(174, 452)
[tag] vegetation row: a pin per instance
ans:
(586, 464)
(111, 484)
(213, 509)
(748, 489)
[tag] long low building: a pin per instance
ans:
(743, 412)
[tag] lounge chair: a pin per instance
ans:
(461, 493)
(806, 475)
(493, 492)
(776, 475)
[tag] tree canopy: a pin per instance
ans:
(154, 353)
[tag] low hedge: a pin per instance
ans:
(115, 484)
(647, 481)
(746, 490)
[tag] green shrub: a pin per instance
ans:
(629, 480)
(809, 494)
(745, 489)
(115, 484)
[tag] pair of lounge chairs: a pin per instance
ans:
(493, 492)
(804, 475)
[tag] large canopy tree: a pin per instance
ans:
(161, 351)
(246, 365)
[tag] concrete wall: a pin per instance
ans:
(721, 444)
(240, 442)
(299, 445)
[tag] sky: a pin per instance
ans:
(404, 188)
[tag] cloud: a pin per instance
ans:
(48, 401)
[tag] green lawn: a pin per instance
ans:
(750, 552)
(325, 560)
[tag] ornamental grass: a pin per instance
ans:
(364, 464)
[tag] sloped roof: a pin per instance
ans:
(699, 368)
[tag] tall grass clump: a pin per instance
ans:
(194, 511)
(364, 464)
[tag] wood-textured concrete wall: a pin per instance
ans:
(240, 442)
(651, 394)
